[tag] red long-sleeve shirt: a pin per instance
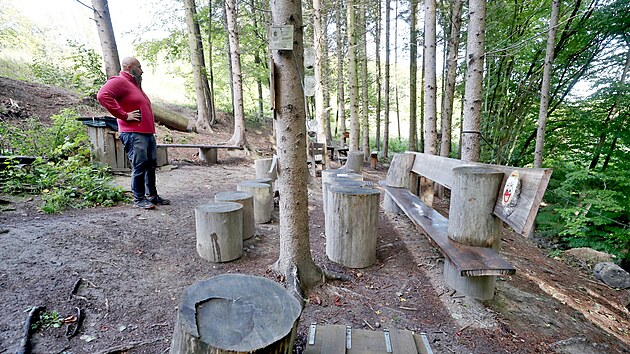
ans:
(120, 95)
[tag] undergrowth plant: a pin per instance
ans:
(62, 172)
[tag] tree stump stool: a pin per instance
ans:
(246, 199)
(236, 313)
(263, 199)
(351, 221)
(266, 168)
(328, 175)
(355, 161)
(472, 223)
(219, 231)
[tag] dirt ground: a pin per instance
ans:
(125, 269)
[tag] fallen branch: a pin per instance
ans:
(25, 343)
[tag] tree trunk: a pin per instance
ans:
(451, 77)
(198, 65)
(326, 78)
(353, 77)
(295, 252)
(106, 37)
(413, 74)
(430, 80)
(546, 82)
(471, 148)
(238, 137)
(341, 99)
(396, 96)
(319, 87)
(387, 77)
(378, 75)
(365, 128)
(210, 70)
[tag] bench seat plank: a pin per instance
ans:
(200, 146)
(469, 260)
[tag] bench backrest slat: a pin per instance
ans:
(534, 182)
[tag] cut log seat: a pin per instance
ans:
(207, 153)
(469, 260)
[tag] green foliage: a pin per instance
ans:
(47, 320)
(63, 173)
(82, 71)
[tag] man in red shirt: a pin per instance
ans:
(123, 97)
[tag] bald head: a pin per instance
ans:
(132, 66)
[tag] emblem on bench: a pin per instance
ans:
(512, 189)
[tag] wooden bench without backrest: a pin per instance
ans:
(207, 153)
(472, 268)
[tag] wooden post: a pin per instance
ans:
(208, 155)
(219, 231)
(263, 199)
(471, 222)
(351, 221)
(236, 313)
(373, 159)
(246, 199)
(354, 161)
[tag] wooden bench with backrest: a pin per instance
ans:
(469, 239)
(207, 153)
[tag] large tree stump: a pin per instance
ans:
(354, 161)
(328, 175)
(263, 199)
(351, 221)
(219, 231)
(473, 196)
(236, 313)
(246, 199)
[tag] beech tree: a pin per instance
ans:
(106, 37)
(430, 81)
(413, 73)
(341, 99)
(474, 80)
(451, 77)
(202, 88)
(544, 90)
(364, 81)
(295, 260)
(353, 76)
(238, 137)
(387, 79)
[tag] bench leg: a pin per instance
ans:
(390, 205)
(480, 287)
(208, 155)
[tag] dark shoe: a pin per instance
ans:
(143, 204)
(157, 200)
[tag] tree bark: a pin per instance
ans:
(471, 148)
(238, 137)
(295, 252)
(430, 80)
(365, 127)
(546, 82)
(353, 76)
(378, 75)
(319, 87)
(413, 74)
(387, 79)
(210, 70)
(198, 66)
(341, 99)
(451, 77)
(106, 37)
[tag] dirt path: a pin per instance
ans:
(134, 264)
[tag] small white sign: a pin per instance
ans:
(281, 37)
